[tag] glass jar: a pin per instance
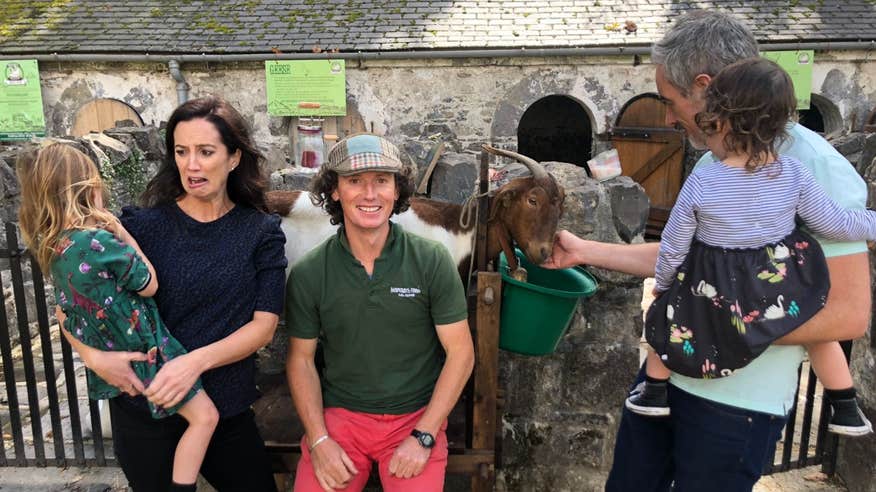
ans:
(310, 150)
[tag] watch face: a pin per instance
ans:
(424, 438)
(427, 440)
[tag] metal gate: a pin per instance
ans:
(42, 422)
(45, 420)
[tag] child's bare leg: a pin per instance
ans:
(654, 367)
(829, 364)
(202, 417)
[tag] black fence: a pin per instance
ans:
(42, 430)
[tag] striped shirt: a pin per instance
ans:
(733, 208)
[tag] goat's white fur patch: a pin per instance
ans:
(307, 226)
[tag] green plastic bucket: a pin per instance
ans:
(537, 313)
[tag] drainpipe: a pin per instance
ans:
(182, 87)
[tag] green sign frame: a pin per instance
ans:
(306, 87)
(798, 64)
(21, 101)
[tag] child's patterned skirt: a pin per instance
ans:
(726, 306)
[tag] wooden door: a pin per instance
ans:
(101, 114)
(652, 154)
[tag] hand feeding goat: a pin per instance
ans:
(524, 211)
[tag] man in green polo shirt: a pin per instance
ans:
(389, 312)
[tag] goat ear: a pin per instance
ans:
(501, 200)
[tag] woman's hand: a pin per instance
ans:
(115, 368)
(112, 367)
(174, 380)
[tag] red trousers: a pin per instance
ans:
(368, 438)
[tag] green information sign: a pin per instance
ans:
(798, 64)
(306, 87)
(21, 102)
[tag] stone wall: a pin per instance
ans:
(462, 101)
(856, 464)
(561, 411)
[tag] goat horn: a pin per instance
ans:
(537, 170)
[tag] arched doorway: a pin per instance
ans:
(101, 114)
(822, 116)
(556, 128)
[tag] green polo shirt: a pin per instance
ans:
(378, 335)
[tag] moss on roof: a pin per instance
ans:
(17, 16)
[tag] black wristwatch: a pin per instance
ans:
(424, 438)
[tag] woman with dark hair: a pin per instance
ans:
(220, 260)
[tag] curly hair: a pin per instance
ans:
(326, 182)
(246, 185)
(755, 97)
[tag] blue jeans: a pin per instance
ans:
(703, 445)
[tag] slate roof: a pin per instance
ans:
(263, 26)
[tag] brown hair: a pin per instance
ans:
(246, 185)
(326, 182)
(755, 97)
(59, 185)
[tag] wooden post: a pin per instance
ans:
(484, 414)
(486, 373)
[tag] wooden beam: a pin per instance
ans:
(486, 375)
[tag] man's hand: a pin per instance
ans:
(564, 252)
(331, 465)
(409, 459)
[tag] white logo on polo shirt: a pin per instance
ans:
(404, 291)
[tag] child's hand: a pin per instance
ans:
(655, 292)
(119, 230)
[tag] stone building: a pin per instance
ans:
(546, 77)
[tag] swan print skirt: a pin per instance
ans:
(726, 306)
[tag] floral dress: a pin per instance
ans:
(725, 306)
(97, 280)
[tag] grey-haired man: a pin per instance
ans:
(722, 433)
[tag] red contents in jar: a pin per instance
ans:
(308, 159)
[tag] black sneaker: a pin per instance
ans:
(848, 419)
(649, 399)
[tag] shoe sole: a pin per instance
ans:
(646, 411)
(856, 431)
(845, 430)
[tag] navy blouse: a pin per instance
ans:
(212, 277)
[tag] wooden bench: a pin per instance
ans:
(473, 426)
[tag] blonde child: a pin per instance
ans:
(103, 286)
(734, 272)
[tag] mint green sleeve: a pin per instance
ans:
(842, 183)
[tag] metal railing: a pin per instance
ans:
(29, 437)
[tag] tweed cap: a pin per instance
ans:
(363, 152)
